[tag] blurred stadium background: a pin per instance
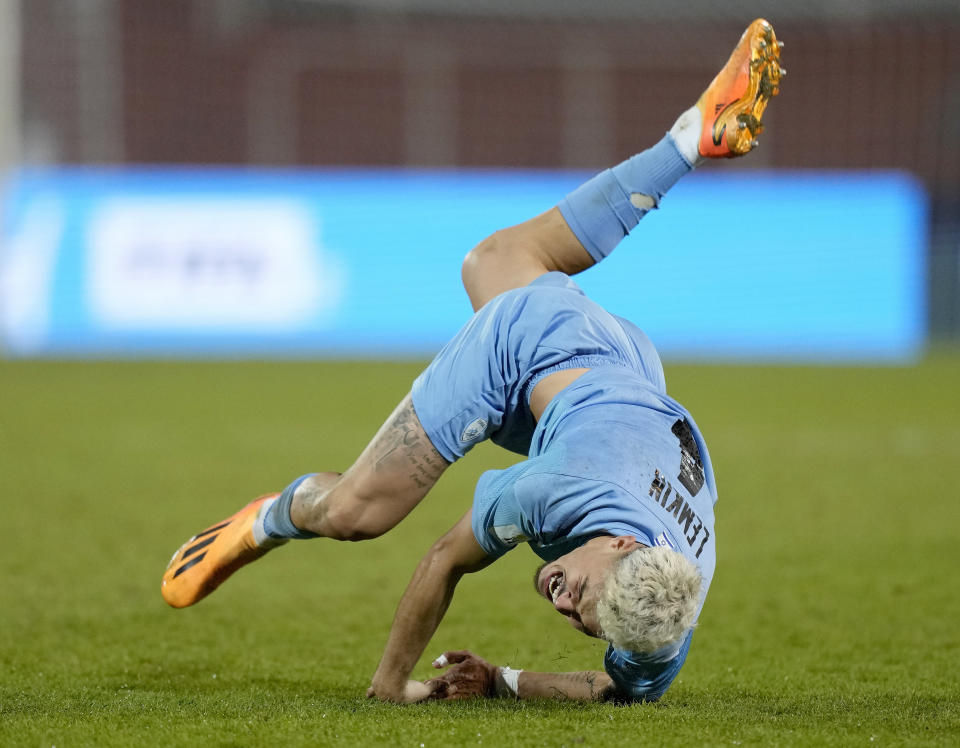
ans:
(139, 93)
(257, 178)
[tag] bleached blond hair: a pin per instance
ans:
(650, 599)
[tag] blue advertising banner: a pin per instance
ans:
(794, 266)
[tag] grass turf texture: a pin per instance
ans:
(832, 618)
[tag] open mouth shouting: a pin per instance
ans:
(554, 586)
(550, 583)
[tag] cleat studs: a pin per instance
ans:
(754, 143)
(783, 72)
(780, 45)
(749, 122)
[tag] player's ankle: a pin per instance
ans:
(275, 522)
(686, 135)
(261, 537)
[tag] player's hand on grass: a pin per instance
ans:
(469, 677)
(412, 692)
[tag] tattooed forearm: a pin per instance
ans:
(580, 680)
(591, 680)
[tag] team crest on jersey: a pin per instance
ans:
(474, 430)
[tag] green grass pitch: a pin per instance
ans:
(834, 617)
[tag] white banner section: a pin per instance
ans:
(206, 263)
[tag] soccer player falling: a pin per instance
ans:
(617, 492)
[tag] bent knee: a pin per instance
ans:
(482, 260)
(500, 262)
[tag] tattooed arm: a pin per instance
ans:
(471, 676)
(421, 609)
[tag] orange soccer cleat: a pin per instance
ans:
(734, 102)
(205, 561)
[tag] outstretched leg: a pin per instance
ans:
(386, 482)
(592, 220)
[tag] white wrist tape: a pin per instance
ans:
(511, 678)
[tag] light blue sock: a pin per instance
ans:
(277, 522)
(603, 210)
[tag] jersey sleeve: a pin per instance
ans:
(645, 677)
(498, 523)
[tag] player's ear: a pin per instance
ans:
(624, 543)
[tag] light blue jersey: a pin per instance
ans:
(612, 454)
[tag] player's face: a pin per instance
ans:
(574, 581)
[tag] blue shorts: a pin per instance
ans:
(478, 387)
